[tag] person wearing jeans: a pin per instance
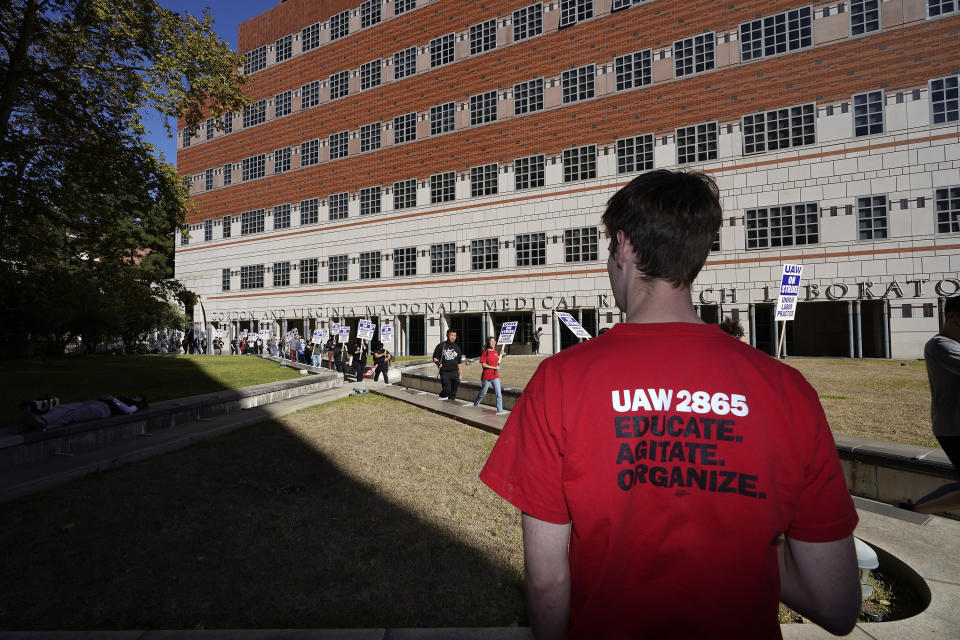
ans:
(490, 362)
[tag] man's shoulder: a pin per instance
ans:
(942, 344)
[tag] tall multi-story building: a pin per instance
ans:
(445, 163)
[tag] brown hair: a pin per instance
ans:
(671, 219)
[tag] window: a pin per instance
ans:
(864, 16)
(872, 218)
(580, 163)
(574, 11)
(868, 113)
(254, 167)
(310, 37)
(369, 265)
(252, 222)
(405, 261)
(443, 258)
(339, 25)
(370, 137)
(633, 70)
(941, 7)
(227, 174)
(442, 118)
(578, 84)
(310, 95)
(405, 128)
(369, 201)
(483, 180)
(694, 55)
(255, 60)
(226, 123)
(947, 206)
(580, 245)
(281, 160)
(281, 216)
(284, 48)
(906, 311)
(282, 103)
(251, 276)
(404, 63)
(370, 13)
(208, 180)
(697, 143)
(184, 238)
(405, 194)
(483, 108)
(339, 145)
(529, 172)
(623, 4)
(338, 204)
(337, 268)
(309, 270)
(370, 75)
(281, 274)
(635, 154)
(309, 153)
(944, 99)
(715, 246)
(402, 6)
(531, 249)
(310, 211)
(775, 34)
(187, 135)
(443, 187)
(484, 254)
(483, 36)
(528, 22)
(227, 226)
(207, 230)
(339, 85)
(783, 226)
(441, 50)
(210, 128)
(254, 114)
(779, 129)
(225, 280)
(528, 96)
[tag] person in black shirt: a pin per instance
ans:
(360, 359)
(339, 355)
(381, 358)
(447, 357)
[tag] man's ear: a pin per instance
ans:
(626, 256)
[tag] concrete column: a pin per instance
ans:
(850, 346)
(941, 316)
(752, 323)
(443, 327)
(406, 334)
(396, 335)
(210, 334)
(886, 328)
(858, 328)
(596, 321)
(556, 333)
(484, 331)
(776, 331)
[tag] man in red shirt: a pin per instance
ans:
(683, 498)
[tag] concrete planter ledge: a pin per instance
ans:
(21, 445)
(424, 378)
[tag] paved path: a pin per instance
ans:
(481, 417)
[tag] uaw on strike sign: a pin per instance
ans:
(789, 291)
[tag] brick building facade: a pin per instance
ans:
(446, 163)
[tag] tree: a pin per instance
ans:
(81, 194)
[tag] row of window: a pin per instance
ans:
(579, 245)
(770, 227)
(762, 132)
(771, 35)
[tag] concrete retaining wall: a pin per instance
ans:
(21, 446)
(424, 378)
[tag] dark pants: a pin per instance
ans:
(449, 382)
(382, 368)
(358, 368)
(535, 346)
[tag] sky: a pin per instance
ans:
(227, 14)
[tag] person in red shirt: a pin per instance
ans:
(490, 363)
(683, 496)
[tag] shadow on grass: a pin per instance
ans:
(251, 530)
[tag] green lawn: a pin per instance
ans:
(160, 377)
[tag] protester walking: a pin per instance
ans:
(535, 340)
(490, 363)
(448, 357)
(381, 360)
(359, 359)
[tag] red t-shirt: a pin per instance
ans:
(492, 358)
(679, 454)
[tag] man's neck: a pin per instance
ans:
(659, 301)
(951, 331)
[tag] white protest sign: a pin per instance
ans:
(508, 330)
(386, 333)
(344, 333)
(243, 334)
(789, 290)
(317, 336)
(264, 334)
(365, 330)
(573, 325)
(334, 328)
(219, 333)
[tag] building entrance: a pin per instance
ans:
(521, 341)
(416, 338)
(587, 318)
(469, 328)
